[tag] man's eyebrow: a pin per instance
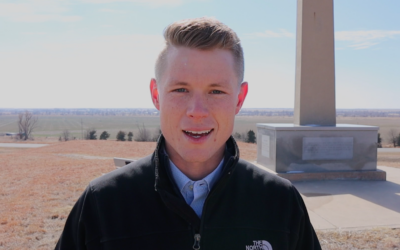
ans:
(187, 84)
(216, 85)
(180, 84)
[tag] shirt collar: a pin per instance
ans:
(181, 179)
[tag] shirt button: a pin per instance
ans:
(191, 187)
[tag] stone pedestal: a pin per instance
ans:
(295, 150)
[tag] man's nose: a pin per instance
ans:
(197, 107)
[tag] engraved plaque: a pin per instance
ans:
(327, 148)
(265, 145)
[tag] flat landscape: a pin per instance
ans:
(40, 185)
(53, 125)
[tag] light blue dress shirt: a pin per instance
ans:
(195, 192)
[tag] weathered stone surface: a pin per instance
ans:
(357, 147)
(328, 148)
(373, 175)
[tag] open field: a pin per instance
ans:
(52, 126)
(389, 159)
(42, 184)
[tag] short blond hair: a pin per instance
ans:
(203, 33)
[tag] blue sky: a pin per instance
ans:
(101, 53)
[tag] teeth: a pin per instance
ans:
(198, 132)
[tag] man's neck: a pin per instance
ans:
(195, 170)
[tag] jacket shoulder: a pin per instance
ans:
(259, 176)
(137, 172)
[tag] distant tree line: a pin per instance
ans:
(154, 112)
(143, 134)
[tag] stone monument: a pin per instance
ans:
(315, 147)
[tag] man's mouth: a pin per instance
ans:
(197, 134)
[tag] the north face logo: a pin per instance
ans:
(259, 245)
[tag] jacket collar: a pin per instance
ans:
(167, 189)
(231, 156)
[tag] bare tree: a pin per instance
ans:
(143, 134)
(392, 134)
(26, 124)
(240, 136)
(66, 136)
(237, 136)
(156, 134)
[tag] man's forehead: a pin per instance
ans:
(183, 64)
(216, 62)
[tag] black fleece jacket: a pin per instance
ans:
(139, 207)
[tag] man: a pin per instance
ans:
(193, 192)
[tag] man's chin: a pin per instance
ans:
(200, 155)
(193, 157)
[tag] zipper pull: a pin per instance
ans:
(196, 245)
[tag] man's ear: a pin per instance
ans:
(244, 87)
(154, 93)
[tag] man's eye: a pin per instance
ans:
(180, 90)
(216, 92)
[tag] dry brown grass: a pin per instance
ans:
(389, 159)
(378, 238)
(37, 140)
(10, 150)
(39, 187)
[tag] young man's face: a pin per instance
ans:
(198, 97)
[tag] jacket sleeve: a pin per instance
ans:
(307, 238)
(80, 230)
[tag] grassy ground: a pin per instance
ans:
(378, 238)
(389, 159)
(39, 187)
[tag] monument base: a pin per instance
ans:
(377, 175)
(322, 150)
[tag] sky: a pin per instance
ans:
(101, 53)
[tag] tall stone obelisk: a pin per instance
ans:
(315, 147)
(315, 64)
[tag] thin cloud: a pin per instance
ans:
(112, 11)
(366, 38)
(155, 3)
(272, 34)
(34, 33)
(36, 11)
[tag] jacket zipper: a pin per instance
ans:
(197, 236)
(196, 245)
